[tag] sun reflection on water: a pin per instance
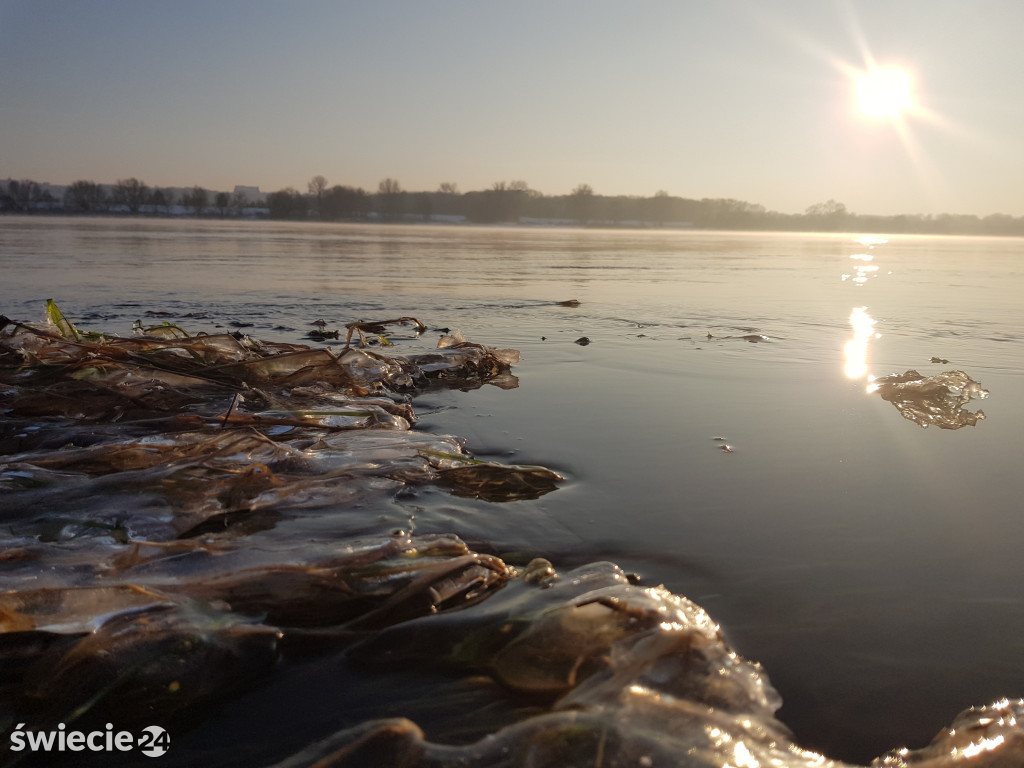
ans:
(872, 240)
(856, 349)
(863, 270)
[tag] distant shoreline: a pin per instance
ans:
(885, 225)
(511, 203)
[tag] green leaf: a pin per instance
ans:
(63, 325)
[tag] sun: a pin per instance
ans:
(883, 92)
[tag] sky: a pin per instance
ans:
(745, 99)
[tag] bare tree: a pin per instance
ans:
(446, 200)
(389, 186)
(287, 203)
(316, 186)
(196, 199)
(389, 191)
(345, 203)
(86, 196)
(24, 194)
(504, 201)
(221, 202)
(581, 203)
(829, 215)
(828, 208)
(161, 198)
(131, 193)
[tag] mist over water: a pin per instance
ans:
(871, 565)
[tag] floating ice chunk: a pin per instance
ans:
(932, 400)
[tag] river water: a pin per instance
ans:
(871, 565)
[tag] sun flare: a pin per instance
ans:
(883, 92)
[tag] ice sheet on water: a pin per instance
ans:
(641, 677)
(933, 400)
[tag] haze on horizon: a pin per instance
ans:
(734, 99)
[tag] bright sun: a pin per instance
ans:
(883, 92)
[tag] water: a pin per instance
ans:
(870, 565)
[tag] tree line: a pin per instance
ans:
(503, 202)
(129, 196)
(515, 202)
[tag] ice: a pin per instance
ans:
(933, 400)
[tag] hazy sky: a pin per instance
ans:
(719, 98)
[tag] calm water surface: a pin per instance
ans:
(873, 567)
